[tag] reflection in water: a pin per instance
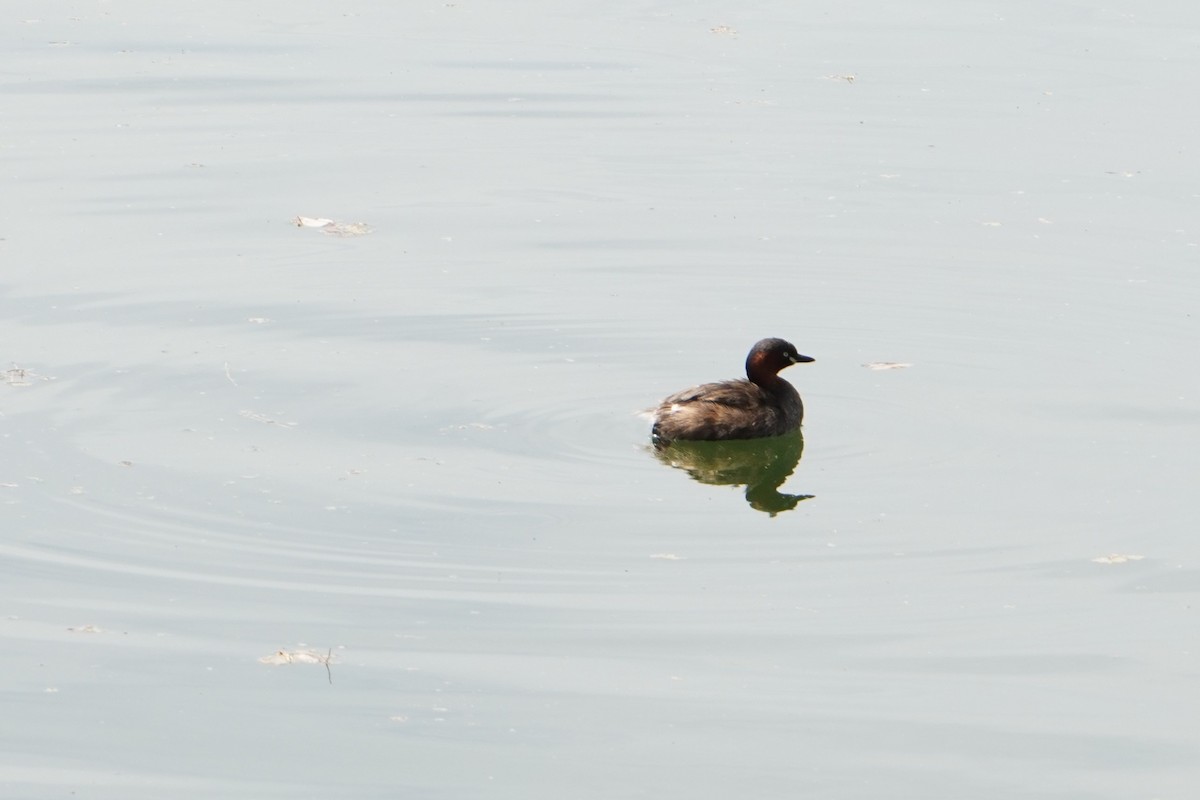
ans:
(761, 465)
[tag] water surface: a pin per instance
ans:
(416, 451)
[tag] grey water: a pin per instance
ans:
(409, 460)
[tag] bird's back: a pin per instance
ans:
(736, 409)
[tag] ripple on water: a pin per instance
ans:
(600, 429)
(155, 544)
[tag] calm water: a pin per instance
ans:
(416, 450)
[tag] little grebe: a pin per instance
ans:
(764, 405)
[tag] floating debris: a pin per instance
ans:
(296, 657)
(300, 657)
(1116, 558)
(17, 377)
(878, 365)
(332, 228)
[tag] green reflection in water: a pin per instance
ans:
(761, 465)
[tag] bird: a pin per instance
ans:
(760, 405)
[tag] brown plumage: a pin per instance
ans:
(762, 404)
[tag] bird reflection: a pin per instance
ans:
(761, 465)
